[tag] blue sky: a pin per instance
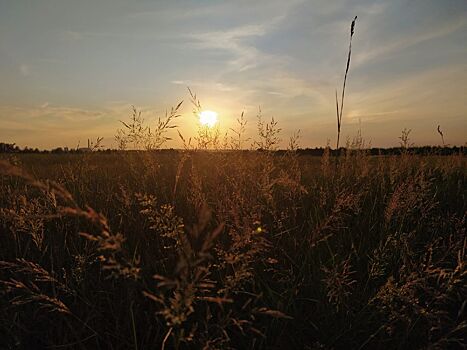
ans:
(72, 69)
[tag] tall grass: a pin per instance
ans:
(233, 250)
(340, 110)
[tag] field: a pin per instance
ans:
(239, 249)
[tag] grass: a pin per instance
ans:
(340, 110)
(197, 249)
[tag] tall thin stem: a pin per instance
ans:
(339, 111)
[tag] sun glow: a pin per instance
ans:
(208, 118)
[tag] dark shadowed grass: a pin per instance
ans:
(233, 250)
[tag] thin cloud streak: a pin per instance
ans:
(407, 41)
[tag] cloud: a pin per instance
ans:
(175, 14)
(209, 84)
(47, 117)
(72, 35)
(404, 100)
(24, 70)
(181, 82)
(244, 56)
(49, 126)
(247, 70)
(408, 40)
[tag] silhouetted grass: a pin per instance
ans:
(232, 250)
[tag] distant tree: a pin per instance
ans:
(8, 147)
(57, 150)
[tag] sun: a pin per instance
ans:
(208, 118)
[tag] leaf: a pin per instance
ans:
(88, 236)
(274, 313)
(124, 124)
(153, 297)
(217, 300)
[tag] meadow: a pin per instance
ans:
(197, 249)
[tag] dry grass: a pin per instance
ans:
(243, 249)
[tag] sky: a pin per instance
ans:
(71, 70)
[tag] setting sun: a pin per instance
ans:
(208, 118)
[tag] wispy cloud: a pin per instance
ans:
(63, 125)
(405, 100)
(24, 70)
(248, 70)
(408, 40)
(70, 35)
(204, 84)
(243, 55)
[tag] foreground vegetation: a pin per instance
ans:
(243, 250)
